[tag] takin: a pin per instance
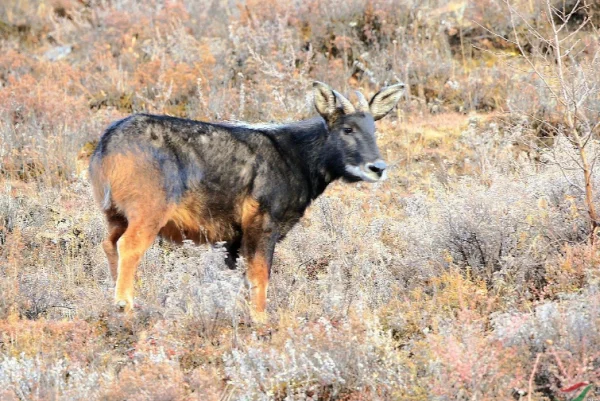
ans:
(243, 185)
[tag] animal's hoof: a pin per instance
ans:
(121, 306)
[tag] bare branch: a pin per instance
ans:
(568, 51)
(579, 28)
(567, 18)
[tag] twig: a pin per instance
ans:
(527, 59)
(532, 376)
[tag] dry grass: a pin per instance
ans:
(467, 275)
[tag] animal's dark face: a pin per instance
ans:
(354, 135)
(352, 129)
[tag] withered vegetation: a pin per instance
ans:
(470, 273)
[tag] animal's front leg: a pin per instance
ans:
(257, 250)
(258, 245)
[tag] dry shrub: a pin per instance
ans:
(570, 270)
(203, 383)
(154, 381)
(502, 229)
(34, 378)
(331, 265)
(563, 334)
(317, 360)
(466, 363)
(446, 281)
(49, 252)
(195, 285)
(30, 338)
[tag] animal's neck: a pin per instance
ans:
(315, 155)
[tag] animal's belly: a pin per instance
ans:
(200, 219)
(203, 232)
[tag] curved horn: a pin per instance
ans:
(363, 105)
(346, 105)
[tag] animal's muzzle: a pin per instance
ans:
(378, 167)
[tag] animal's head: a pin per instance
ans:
(352, 129)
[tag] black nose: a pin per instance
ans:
(378, 167)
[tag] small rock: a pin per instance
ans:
(58, 53)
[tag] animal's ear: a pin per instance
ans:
(385, 100)
(324, 100)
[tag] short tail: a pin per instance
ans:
(106, 199)
(101, 187)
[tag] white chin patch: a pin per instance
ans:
(368, 176)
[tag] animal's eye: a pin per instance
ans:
(348, 130)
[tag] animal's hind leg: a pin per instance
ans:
(131, 247)
(116, 227)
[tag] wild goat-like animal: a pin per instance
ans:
(243, 185)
